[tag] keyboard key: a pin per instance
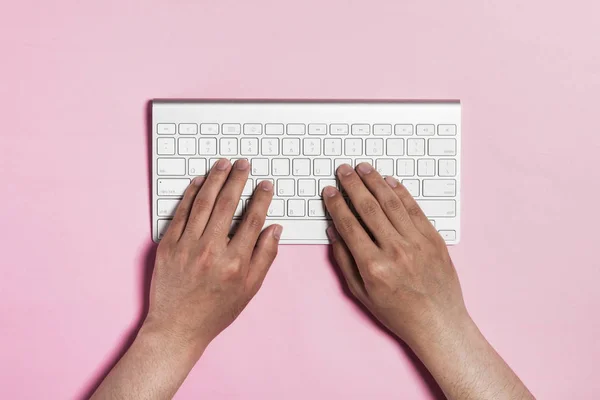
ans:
(363, 160)
(340, 161)
(172, 187)
(426, 167)
(312, 146)
(439, 188)
(296, 208)
(438, 208)
(403, 130)
(239, 210)
(188, 129)
(186, 146)
(269, 146)
(274, 129)
(197, 166)
(231, 129)
(171, 166)
(416, 147)
(280, 166)
(332, 147)
(385, 166)
(382, 130)
(165, 129)
(425, 130)
(307, 187)
(167, 207)
(163, 225)
(322, 167)
(317, 129)
(323, 183)
(248, 188)
(442, 147)
(412, 185)
(165, 146)
(316, 208)
(296, 129)
(448, 235)
(301, 167)
(209, 129)
(290, 147)
(395, 147)
(212, 162)
(361, 129)
(252, 129)
(374, 147)
(260, 166)
(285, 187)
(353, 147)
(229, 146)
(446, 167)
(208, 147)
(447, 130)
(405, 167)
(338, 129)
(249, 146)
(276, 208)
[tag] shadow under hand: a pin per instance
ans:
(145, 279)
(434, 390)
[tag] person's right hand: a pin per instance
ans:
(400, 268)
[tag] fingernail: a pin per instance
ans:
(393, 182)
(277, 232)
(222, 164)
(266, 186)
(242, 164)
(329, 191)
(365, 168)
(332, 234)
(344, 170)
(198, 180)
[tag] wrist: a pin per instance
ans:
(166, 336)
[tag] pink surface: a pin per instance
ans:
(75, 236)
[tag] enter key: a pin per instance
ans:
(439, 187)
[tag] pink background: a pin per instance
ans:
(75, 219)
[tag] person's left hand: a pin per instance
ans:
(202, 280)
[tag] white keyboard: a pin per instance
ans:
(299, 145)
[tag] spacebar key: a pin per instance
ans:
(298, 230)
(438, 208)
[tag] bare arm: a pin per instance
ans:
(202, 281)
(405, 277)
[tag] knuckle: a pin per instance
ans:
(414, 210)
(225, 204)
(254, 220)
(393, 204)
(232, 270)
(347, 224)
(202, 204)
(376, 269)
(369, 207)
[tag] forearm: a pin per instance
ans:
(465, 365)
(154, 367)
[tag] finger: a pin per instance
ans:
(365, 204)
(344, 260)
(264, 255)
(253, 221)
(389, 201)
(205, 199)
(356, 238)
(220, 220)
(182, 213)
(416, 215)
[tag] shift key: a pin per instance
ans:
(438, 208)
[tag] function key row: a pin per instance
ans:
(301, 129)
